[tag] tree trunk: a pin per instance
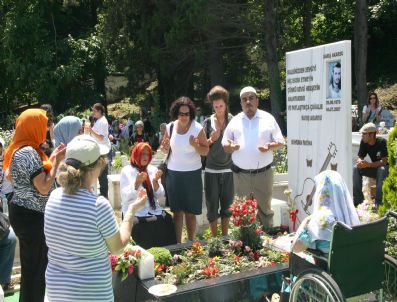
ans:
(360, 51)
(307, 22)
(216, 65)
(271, 58)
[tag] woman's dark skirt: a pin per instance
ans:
(185, 191)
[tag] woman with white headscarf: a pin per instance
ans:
(66, 129)
(332, 203)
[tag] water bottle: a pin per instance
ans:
(5, 204)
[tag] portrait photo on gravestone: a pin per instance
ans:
(335, 78)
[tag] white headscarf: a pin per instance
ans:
(332, 202)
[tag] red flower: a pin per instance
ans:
(113, 262)
(130, 269)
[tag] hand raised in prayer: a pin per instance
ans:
(264, 148)
(215, 135)
(139, 202)
(59, 153)
(158, 175)
(194, 141)
(232, 145)
(165, 144)
(140, 178)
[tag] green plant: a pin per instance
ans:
(207, 235)
(280, 160)
(161, 255)
(6, 135)
(244, 218)
(390, 184)
(117, 163)
(215, 246)
(391, 238)
(196, 264)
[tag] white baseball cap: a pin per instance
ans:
(83, 150)
(247, 89)
(368, 128)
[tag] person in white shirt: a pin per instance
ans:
(186, 142)
(252, 136)
(153, 226)
(100, 132)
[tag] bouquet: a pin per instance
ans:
(126, 262)
(248, 230)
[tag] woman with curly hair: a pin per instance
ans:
(186, 141)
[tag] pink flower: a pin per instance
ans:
(130, 269)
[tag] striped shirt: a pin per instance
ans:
(26, 164)
(76, 227)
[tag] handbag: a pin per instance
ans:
(207, 126)
(4, 225)
(163, 165)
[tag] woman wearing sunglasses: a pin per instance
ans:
(186, 140)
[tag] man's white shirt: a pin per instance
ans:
(251, 134)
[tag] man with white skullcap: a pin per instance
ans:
(252, 136)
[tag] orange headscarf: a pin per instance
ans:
(30, 130)
(136, 162)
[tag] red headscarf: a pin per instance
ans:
(30, 130)
(136, 162)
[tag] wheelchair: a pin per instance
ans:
(356, 266)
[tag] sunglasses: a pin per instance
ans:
(184, 113)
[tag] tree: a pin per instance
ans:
(360, 51)
(271, 57)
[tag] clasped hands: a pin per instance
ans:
(361, 163)
(142, 176)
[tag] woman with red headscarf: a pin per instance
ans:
(32, 174)
(154, 226)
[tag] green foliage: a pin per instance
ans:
(215, 246)
(207, 235)
(49, 54)
(161, 255)
(117, 163)
(391, 238)
(6, 135)
(280, 160)
(390, 184)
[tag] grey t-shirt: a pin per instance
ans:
(217, 158)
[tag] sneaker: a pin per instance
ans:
(8, 289)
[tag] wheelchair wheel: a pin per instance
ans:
(315, 286)
(390, 282)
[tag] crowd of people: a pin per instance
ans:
(66, 228)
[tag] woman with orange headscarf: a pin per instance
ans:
(32, 174)
(154, 226)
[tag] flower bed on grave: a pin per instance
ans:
(244, 251)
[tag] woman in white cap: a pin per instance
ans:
(80, 228)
